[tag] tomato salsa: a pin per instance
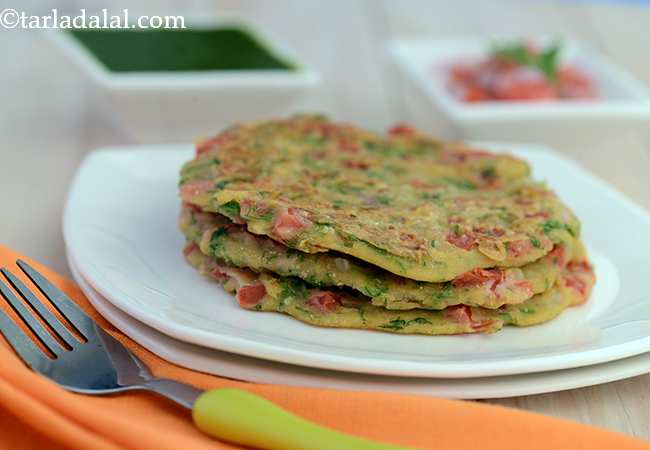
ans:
(520, 72)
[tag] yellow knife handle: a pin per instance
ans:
(239, 416)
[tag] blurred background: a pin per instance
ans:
(50, 117)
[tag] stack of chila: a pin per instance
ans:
(340, 227)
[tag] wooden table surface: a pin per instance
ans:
(48, 121)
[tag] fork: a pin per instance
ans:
(96, 363)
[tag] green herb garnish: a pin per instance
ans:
(489, 173)
(446, 292)
(375, 289)
(460, 183)
(550, 225)
(400, 324)
(221, 184)
(230, 209)
(215, 240)
(535, 242)
(546, 61)
(293, 253)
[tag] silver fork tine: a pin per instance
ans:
(19, 341)
(41, 333)
(61, 302)
(47, 316)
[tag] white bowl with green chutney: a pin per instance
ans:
(177, 85)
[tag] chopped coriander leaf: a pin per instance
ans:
(489, 173)
(293, 253)
(550, 225)
(395, 324)
(304, 310)
(362, 315)
(436, 197)
(460, 183)
(292, 288)
(230, 209)
(548, 62)
(445, 292)
(215, 239)
(535, 242)
(400, 324)
(221, 184)
(374, 289)
(507, 318)
(419, 320)
(383, 200)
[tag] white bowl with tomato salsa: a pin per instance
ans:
(556, 92)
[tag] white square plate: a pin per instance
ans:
(120, 227)
(261, 371)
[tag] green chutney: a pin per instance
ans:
(190, 49)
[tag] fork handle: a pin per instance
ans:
(239, 416)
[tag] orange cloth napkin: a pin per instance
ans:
(36, 413)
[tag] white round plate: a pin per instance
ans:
(260, 371)
(120, 227)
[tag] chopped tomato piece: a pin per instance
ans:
(524, 285)
(347, 145)
(462, 314)
(577, 284)
(251, 295)
(327, 129)
(289, 224)
(195, 188)
(462, 73)
(557, 255)
(324, 301)
(402, 129)
(465, 240)
(219, 275)
(538, 214)
(490, 232)
(580, 266)
(479, 325)
(411, 241)
(520, 248)
(354, 164)
(523, 84)
(475, 94)
(477, 277)
(574, 83)
(419, 184)
(579, 276)
(458, 313)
